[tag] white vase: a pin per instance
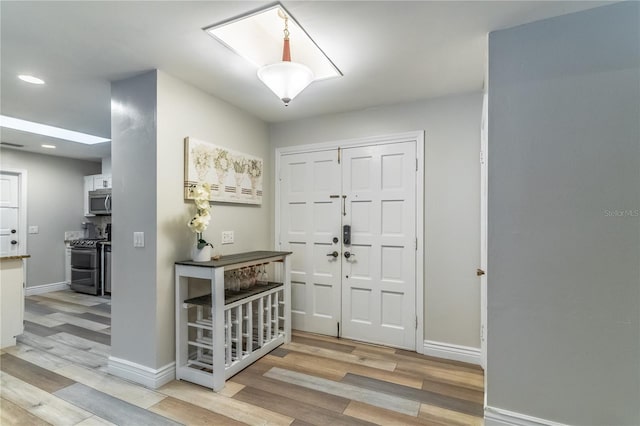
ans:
(201, 255)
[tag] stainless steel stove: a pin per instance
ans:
(85, 265)
(87, 242)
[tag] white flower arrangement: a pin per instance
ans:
(198, 223)
(222, 162)
(255, 168)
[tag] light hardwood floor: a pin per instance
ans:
(57, 374)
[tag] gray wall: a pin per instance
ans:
(133, 155)
(153, 114)
(55, 203)
(564, 225)
(452, 198)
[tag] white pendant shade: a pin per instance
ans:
(286, 79)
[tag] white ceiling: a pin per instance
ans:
(388, 51)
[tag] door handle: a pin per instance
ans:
(479, 272)
(14, 242)
(334, 254)
(348, 255)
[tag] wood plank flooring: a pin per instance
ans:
(57, 375)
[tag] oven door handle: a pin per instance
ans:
(73, 268)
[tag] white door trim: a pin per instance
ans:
(484, 185)
(417, 137)
(22, 205)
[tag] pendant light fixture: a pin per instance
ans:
(286, 79)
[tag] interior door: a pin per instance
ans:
(378, 266)
(309, 227)
(9, 209)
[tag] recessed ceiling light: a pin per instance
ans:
(257, 37)
(48, 146)
(31, 79)
(45, 130)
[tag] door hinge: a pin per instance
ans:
(338, 155)
(481, 157)
(338, 335)
(416, 244)
(416, 322)
(416, 164)
(482, 333)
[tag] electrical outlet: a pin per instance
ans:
(227, 237)
(138, 239)
(34, 229)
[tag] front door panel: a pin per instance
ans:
(310, 220)
(378, 282)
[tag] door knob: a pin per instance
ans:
(14, 242)
(348, 255)
(479, 272)
(334, 254)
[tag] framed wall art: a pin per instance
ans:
(234, 177)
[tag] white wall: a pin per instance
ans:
(106, 166)
(563, 266)
(452, 197)
(186, 111)
(154, 113)
(55, 203)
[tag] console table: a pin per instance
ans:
(220, 333)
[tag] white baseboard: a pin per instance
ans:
(453, 352)
(46, 288)
(141, 374)
(497, 417)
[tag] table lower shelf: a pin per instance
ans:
(253, 325)
(231, 296)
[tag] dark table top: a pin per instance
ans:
(231, 259)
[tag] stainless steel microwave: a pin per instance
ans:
(100, 202)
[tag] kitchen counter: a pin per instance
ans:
(11, 298)
(14, 257)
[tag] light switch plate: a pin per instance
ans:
(138, 239)
(34, 229)
(227, 237)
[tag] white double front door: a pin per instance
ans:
(362, 285)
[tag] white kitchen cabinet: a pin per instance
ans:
(91, 183)
(101, 182)
(11, 299)
(88, 186)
